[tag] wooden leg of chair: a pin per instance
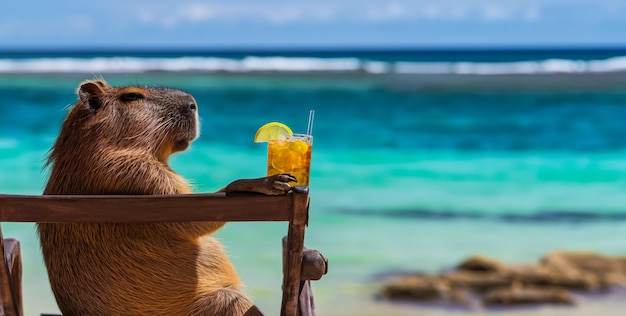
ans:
(314, 266)
(292, 264)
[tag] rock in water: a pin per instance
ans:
(476, 281)
(480, 263)
(527, 296)
(479, 280)
(542, 276)
(608, 271)
(414, 287)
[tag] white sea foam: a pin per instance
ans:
(303, 64)
(300, 64)
(209, 64)
(547, 66)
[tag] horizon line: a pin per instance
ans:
(308, 48)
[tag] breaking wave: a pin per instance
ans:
(303, 64)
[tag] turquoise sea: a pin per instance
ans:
(420, 157)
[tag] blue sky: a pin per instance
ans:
(315, 23)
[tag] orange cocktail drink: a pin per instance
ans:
(292, 155)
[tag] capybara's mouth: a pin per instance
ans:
(183, 142)
(187, 130)
(181, 145)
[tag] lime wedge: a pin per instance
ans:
(271, 131)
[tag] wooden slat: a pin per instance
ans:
(293, 259)
(8, 298)
(143, 208)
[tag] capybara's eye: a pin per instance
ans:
(132, 96)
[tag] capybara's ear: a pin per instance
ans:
(90, 93)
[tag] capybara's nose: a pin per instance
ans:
(192, 106)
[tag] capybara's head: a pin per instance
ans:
(158, 120)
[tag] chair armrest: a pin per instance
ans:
(144, 208)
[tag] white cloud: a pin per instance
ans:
(532, 14)
(170, 14)
(145, 20)
(276, 12)
(493, 12)
(197, 11)
(386, 11)
(286, 11)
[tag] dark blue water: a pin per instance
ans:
(427, 55)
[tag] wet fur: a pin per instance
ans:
(114, 143)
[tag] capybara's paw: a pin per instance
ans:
(277, 184)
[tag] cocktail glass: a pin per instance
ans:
(291, 154)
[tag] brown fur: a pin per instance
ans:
(117, 140)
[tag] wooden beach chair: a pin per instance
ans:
(300, 265)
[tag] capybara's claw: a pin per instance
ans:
(280, 183)
(282, 187)
(286, 178)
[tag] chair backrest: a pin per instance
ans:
(150, 209)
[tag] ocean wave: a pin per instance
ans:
(615, 64)
(180, 64)
(303, 64)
